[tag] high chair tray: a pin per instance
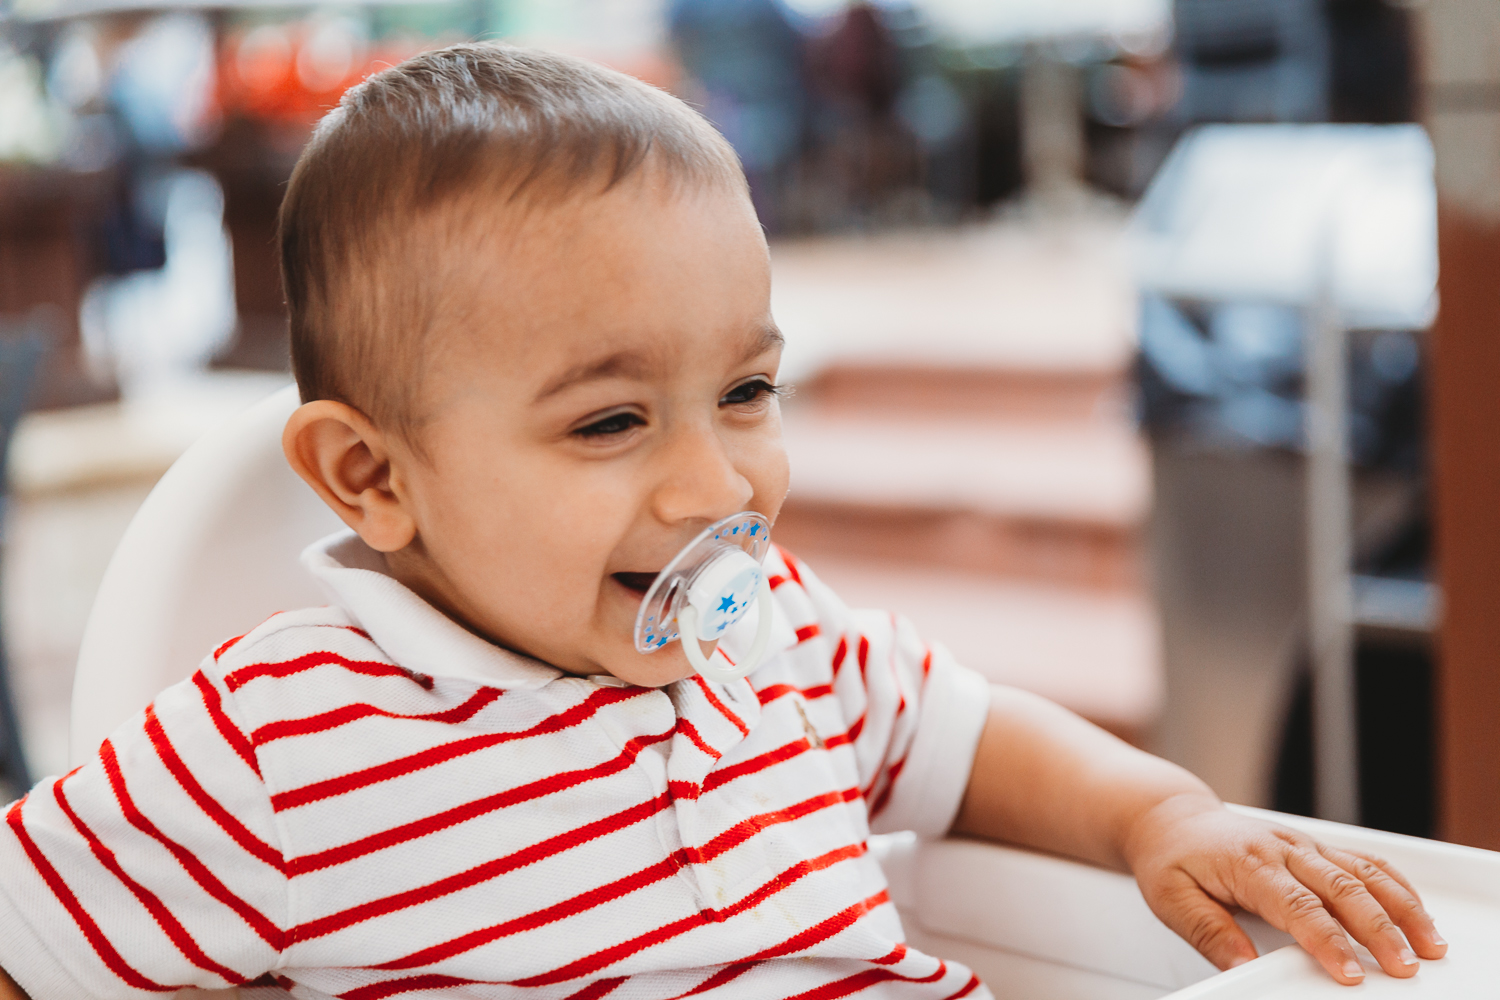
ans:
(1032, 925)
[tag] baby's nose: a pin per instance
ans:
(699, 481)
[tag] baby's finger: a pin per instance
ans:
(1353, 905)
(1392, 892)
(1202, 922)
(1288, 905)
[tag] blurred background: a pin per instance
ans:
(1111, 324)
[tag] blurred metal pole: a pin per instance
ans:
(1052, 139)
(1329, 552)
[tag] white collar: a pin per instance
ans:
(420, 637)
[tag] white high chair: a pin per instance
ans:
(213, 551)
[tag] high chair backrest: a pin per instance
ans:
(211, 553)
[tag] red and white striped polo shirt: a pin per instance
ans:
(366, 800)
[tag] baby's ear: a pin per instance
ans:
(347, 460)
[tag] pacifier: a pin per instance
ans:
(705, 589)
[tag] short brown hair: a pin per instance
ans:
(368, 208)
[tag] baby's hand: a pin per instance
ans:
(1197, 862)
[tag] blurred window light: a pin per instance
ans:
(163, 83)
(31, 126)
(994, 21)
(331, 50)
(75, 77)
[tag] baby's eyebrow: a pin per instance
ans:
(767, 338)
(628, 363)
(634, 364)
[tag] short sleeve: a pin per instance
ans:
(915, 714)
(152, 867)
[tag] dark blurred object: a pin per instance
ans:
(22, 348)
(1395, 616)
(1374, 66)
(747, 58)
(1295, 61)
(1230, 375)
(46, 264)
(1253, 60)
(861, 148)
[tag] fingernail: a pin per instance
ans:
(1437, 940)
(1406, 957)
(1353, 970)
(1235, 963)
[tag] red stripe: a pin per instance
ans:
(529, 855)
(226, 728)
(757, 763)
(236, 679)
(747, 828)
(771, 758)
(597, 989)
(345, 714)
(927, 664)
(821, 932)
(806, 632)
(727, 974)
(775, 581)
(683, 789)
(691, 732)
(969, 987)
(895, 955)
(590, 964)
(552, 783)
(226, 644)
(774, 691)
(864, 654)
(159, 912)
(864, 980)
(713, 700)
(197, 870)
(91, 931)
(237, 831)
(791, 565)
(443, 752)
(839, 654)
(572, 906)
(431, 981)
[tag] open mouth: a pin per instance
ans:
(638, 582)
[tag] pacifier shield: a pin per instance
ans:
(719, 572)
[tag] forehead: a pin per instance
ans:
(642, 275)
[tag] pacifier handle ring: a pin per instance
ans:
(687, 620)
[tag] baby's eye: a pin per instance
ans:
(748, 392)
(615, 423)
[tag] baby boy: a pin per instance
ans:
(531, 329)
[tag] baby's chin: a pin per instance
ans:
(658, 669)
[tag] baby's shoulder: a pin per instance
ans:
(291, 652)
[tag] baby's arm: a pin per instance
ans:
(9, 990)
(1045, 778)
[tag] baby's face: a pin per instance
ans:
(608, 394)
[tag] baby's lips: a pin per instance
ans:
(639, 582)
